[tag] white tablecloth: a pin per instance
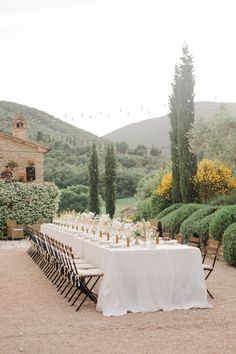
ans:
(140, 279)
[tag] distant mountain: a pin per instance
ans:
(45, 126)
(155, 131)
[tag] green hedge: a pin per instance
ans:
(27, 202)
(172, 221)
(190, 226)
(229, 241)
(169, 210)
(202, 229)
(222, 219)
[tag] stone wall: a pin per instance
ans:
(21, 153)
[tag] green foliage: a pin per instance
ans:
(140, 150)
(222, 219)
(154, 151)
(28, 202)
(144, 209)
(173, 220)
(184, 162)
(126, 182)
(122, 147)
(202, 229)
(74, 198)
(94, 181)
(173, 115)
(110, 180)
(169, 210)
(216, 138)
(147, 185)
(224, 199)
(190, 226)
(229, 241)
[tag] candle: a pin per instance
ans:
(127, 242)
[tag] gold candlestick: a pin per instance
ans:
(100, 234)
(108, 236)
(127, 242)
(117, 239)
(157, 240)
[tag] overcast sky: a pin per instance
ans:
(102, 64)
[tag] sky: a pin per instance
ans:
(102, 64)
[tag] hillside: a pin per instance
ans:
(155, 131)
(43, 126)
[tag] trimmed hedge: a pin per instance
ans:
(190, 226)
(202, 229)
(172, 221)
(169, 210)
(229, 241)
(27, 202)
(222, 219)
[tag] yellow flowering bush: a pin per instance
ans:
(164, 189)
(213, 178)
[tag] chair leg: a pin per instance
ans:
(210, 294)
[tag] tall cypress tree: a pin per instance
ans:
(173, 115)
(94, 181)
(181, 101)
(187, 160)
(110, 180)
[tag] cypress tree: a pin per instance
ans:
(110, 180)
(187, 160)
(94, 181)
(173, 115)
(181, 102)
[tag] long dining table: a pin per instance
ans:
(140, 278)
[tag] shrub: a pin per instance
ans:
(202, 229)
(74, 198)
(168, 210)
(164, 189)
(172, 221)
(225, 199)
(28, 202)
(222, 219)
(145, 209)
(213, 178)
(189, 226)
(229, 241)
(159, 203)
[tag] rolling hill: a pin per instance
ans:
(51, 129)
(155, 131)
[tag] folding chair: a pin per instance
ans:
(166, 236)
(178, 238)
(194, 241)
(82, 280)
(212, 250)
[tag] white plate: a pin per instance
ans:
(116, 245)
(171, 242)
(104, 242)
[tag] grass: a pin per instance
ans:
(121, 204)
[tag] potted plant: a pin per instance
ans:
(21, 177)
(12, 164)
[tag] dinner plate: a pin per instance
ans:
(170, 242)
(104, 242)
(116, 245)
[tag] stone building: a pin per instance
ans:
(15, 149)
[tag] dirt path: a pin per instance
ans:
(34, 318)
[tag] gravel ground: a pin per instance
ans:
(34, 318)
